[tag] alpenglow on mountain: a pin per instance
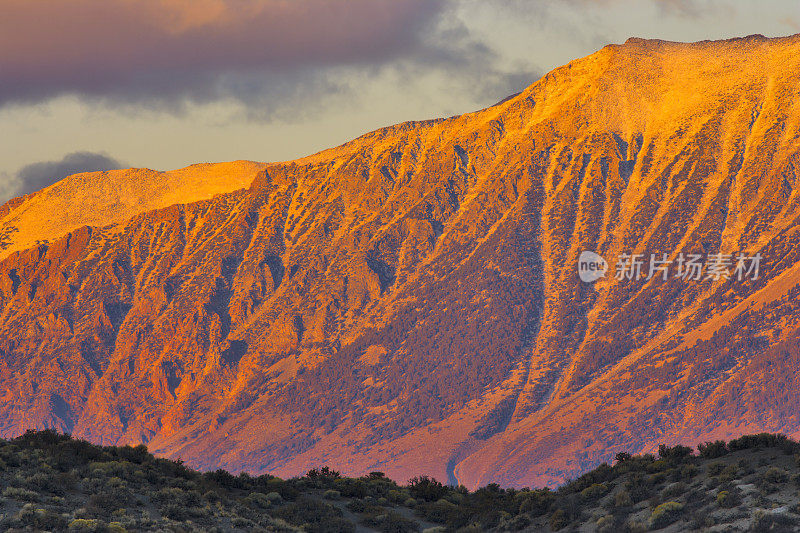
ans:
(409, 302)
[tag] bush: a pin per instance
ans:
(41, 519)
(676, 454)
(441, 511)
(82, 524)
(517, 523)
(17, 493)
(766, 522)
(392, 522)
(622, 457)
(775, 475)
(665, 514)
(595, 491)
(258, 500)
(324, 472)
(623, 499)
(715, 468)
(674, 490)
(729, 473)
(606, 524)
(536, 502)
(688, 471)
(558, 520)
(426, 488)
(763, 440)
(713, 450)
(727, 499)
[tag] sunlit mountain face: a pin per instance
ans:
(607, 261)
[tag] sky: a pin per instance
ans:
(101, 84)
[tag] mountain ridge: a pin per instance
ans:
(419, 284)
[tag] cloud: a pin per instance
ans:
(682, 8)
(37, 176)
(275, 56)
(182, 49)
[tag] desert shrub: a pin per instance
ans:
(713, 450)
(606, 524)
(535, 502)
(357, 506)
(688, 471)
(178, 496)
(699, 521)
(396, 496)
(558, 520)
(665, 514)
(729, 473)
(102, 503)
(621, 457)
(441, 511)
(45, 482)
(715, 468)
(516, 523)
(175, 511)
(10, 456)
(636, 463)
(40, 519)
(771, 522)
(622, 499)
(332, 495)
(638, 488)
(391, 522)
(762, 440)
(601, 474)
(727, 499)
(257, 500)
(18, 493)
(775, 475)
(286, 490)
(595, 491)
(224, 479)
(325, 472)
(244, 523)
(314, 514)
(354, 488)
(635, 526)
(674, 490)
(674, 455)
(88, 525)
(745, 467)
(426, 488)
(135, 454)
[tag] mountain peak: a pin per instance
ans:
(109, 197)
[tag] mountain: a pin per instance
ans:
(410, 301)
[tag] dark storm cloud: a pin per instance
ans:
(36, 176)
(180, 48)
(273, 55)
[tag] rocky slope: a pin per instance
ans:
(410, 302)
